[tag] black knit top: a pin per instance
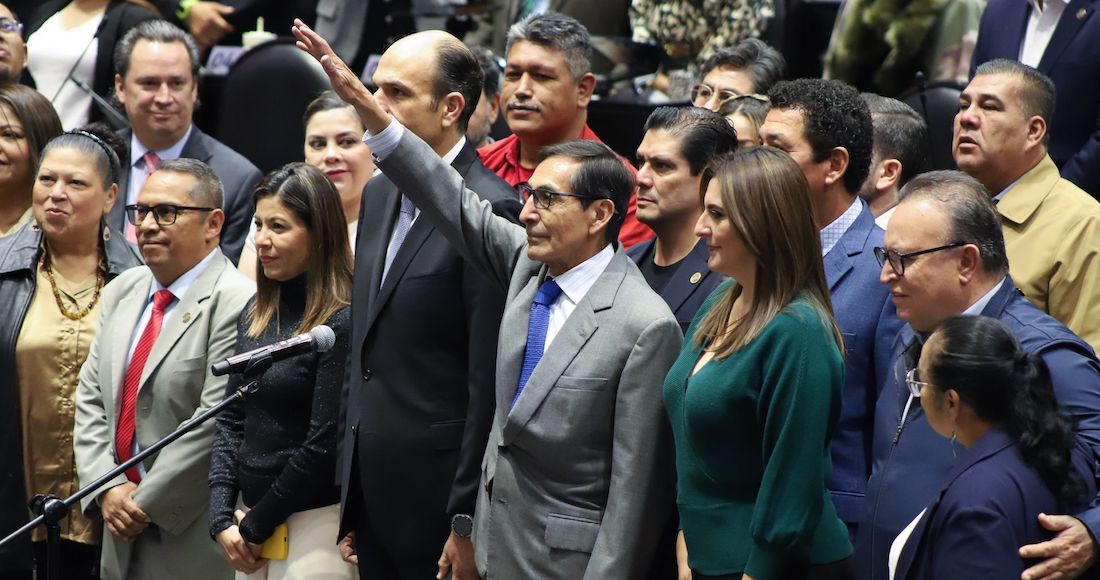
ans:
(278, 446)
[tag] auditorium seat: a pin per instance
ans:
(937, 103)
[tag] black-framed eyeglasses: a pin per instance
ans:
(912, 380)
(897, 260)
(543, 197)
(165, 214)
(701, 93)
(10, 25)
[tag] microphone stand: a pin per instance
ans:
(52, 509)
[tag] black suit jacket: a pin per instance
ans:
(119, 18)
(237, 174)
(419, 397)
(689, 286)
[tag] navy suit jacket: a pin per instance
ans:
(910, 461)
(987, 508)
(1072, 61)
(689, 286)
(867, 320)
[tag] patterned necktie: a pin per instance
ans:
(124, 434)
(400, 230)
(151, 164)
(536, 331)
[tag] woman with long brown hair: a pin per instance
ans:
(755, 393)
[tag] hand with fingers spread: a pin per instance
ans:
(124, 519)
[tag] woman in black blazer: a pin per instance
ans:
(1017, 455)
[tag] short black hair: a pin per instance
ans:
(703, 133)
(1037, 93)
(602, 175)
(764, 64)
(490, 69)
(900, 133)
(835, 116)
(458, 72)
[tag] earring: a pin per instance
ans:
(954, 437)
(106, 233)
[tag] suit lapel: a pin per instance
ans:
(1068, 27)
(841, 259)
(117, 217)
(418, 234)
(374, 235)
(689, 276)
(184, 314)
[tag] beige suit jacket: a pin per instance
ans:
(1052, 236)
(176, 384)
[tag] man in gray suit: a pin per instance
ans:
(578, 463)
(161, 327)
(157, 69)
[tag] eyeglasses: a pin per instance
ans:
(165, 214)
(915, 385)
(897, 260)
(10, 25)
(701, 93)
(544, 196)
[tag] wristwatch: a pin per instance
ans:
(462, 525)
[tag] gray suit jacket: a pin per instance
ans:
(176, 384)
(577, 472)
(238, 175)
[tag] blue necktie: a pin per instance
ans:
(400, 230)
(536, 331)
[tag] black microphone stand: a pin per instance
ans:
(52, 509)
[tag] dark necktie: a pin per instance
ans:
(536, 331)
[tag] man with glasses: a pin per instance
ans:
(576, 475)
(13, 51)
(944, 255)
(826, 128)
(161, 327)
(157, 67)
(749, 67)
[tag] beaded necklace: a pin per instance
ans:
(99, 280)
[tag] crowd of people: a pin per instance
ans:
(771, 344)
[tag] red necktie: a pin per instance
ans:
(124, 434)
(151, 164)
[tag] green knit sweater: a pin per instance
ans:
(752, 447)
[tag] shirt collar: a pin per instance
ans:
(181, 285)
(1035, 4)
(977, 307)
(138, 150)
(449, 158)
(578, 280)
(832, 233)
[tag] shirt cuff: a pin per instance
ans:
(382, 144)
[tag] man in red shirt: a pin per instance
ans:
(545, 94)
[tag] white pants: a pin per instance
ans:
(312, 551)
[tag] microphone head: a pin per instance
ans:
(323, 338)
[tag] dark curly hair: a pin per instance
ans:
(835, 116)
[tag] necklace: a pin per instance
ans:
(83, 312)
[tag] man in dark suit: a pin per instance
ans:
(156, 80)
(678, 144)
(1070, 56)
(944, 255)
(826, 127)
(420, 385)
(577, 468)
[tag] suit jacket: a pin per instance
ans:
(574, 474)
(1052, 237)
(986, 509)
(419, 393)
(237, 174)
(911, 461)
(608, 18)
(1072, 61)
(118, 19)
(689, 286)
(866, 316)
(176, 384)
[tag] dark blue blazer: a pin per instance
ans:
(987, 508)
(1072, 61)
(689, 286)
(866, 317)
(910, 461)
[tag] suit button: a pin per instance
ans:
(367, 374)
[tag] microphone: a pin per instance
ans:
(116, 119)
(320, 339)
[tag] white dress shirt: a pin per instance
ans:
(1040, 28)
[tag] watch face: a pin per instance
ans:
(462, 525)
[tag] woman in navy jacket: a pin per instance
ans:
(978, 388)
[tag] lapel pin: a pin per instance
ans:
(1082, 13)
(696, 277)
(186, 317)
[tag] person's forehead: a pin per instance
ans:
(527, 53)
(789, 123)
(729, 78)
(1000, 86)
(168, 187)
(659, 142)
(146, 52)
(915, 222)
(6, 12)
(555, 173)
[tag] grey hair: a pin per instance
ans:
(208, 188)
(160, 31)
(557, 31)
(972, 217)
